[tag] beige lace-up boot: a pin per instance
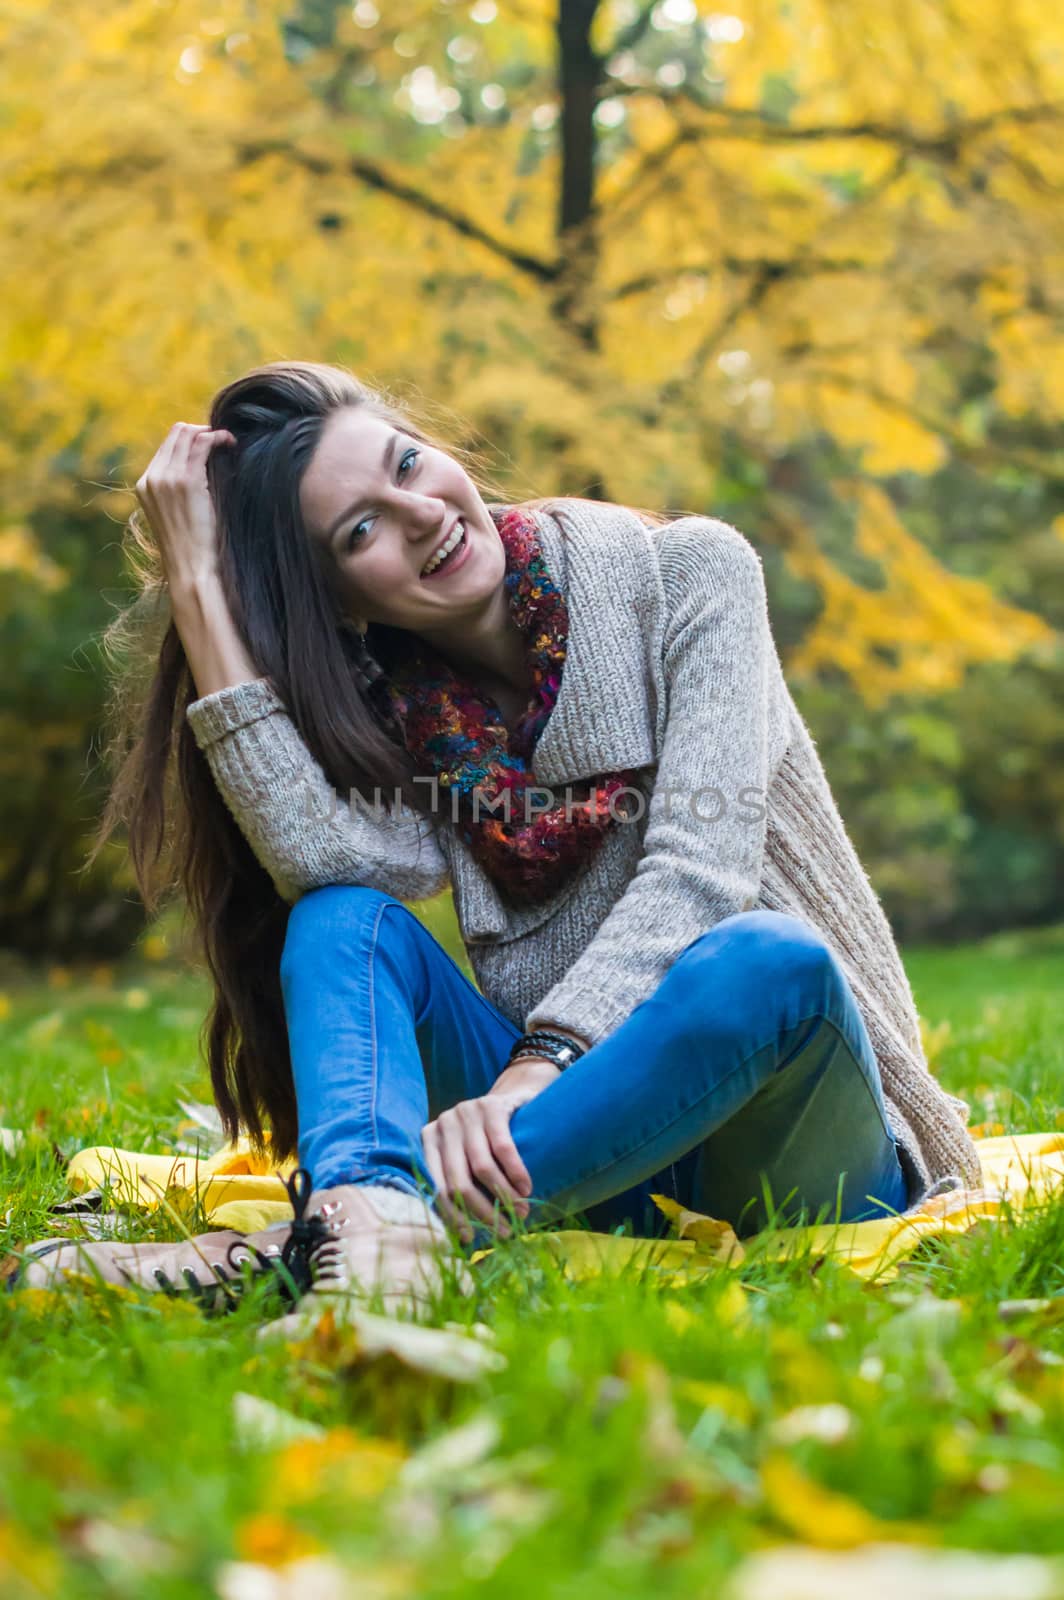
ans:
(374, 1237)
(343, 1245)
(210, 1268)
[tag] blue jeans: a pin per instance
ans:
(745, 1086)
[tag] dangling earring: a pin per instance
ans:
(369, 671)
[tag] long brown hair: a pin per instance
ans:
(182, 837)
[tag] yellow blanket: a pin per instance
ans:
(236, 1189)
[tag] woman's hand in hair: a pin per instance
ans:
(471, 1155)
(177, 502)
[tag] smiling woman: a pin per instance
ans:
(410, 542)
(713, 1004)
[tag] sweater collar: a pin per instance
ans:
(610, 710)
(605, 717)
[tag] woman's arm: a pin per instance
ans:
(213, 648)
(301, 829)
(726, 732)
(293, 819)
(175, 498)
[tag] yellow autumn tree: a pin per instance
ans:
(611, 237)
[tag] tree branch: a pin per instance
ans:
(613, 207)
(375, 177)
(983, 454)
(736, 266)
(743, 122)
(772, 274)
(629, 37)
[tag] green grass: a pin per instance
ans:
(643, 1439)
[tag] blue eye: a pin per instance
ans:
(353, 537)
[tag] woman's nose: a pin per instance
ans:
(428, 516)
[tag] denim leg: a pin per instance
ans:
(753, 1032)
(385, 1032)
(749, 1062)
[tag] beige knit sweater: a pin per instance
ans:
(671, 669)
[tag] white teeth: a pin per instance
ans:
(444, 550)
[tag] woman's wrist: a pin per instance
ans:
(214, 650)
(536, 1071)
(562, 1048)
(194, 579)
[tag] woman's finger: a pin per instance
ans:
(168, 461)
(205, 441)
(430, 1143)
(164, 455)
(192, 441)
(430, 1148)
(476, 1117)
(483, 1166)
(458, 1179)
(497, 1116)
(179, 460)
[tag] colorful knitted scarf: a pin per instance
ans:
(455, 731)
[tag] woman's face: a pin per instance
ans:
(381, 504)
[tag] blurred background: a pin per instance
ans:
(790, 263)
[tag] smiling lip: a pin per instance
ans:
(453, 561)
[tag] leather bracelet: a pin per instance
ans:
(557, 1048)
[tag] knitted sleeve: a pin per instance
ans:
(725, 736)
(299, 827)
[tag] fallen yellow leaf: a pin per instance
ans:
(821, 1516)
(713, 1237)
(342, 1462)
(271, 1540)
(674, 1263)
(33, 1565)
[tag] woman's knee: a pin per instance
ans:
(759, 950)
(769, 937)
(324, 917)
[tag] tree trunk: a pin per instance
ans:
(579, 75)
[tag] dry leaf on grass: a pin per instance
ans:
(271, 1539)
(827, 1424)
(342, 1463)
(123, 1550)
(457, 1474)
(821, 1516)
(453, 1452)
(260, 1425)
(350, 1337)
(312, 1578)
(714, 1238)
(670, 1263)
(890, 1571)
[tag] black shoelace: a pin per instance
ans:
(294, 1268)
